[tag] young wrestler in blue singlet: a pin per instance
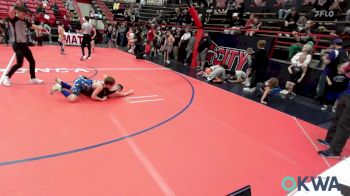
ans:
(97, 90)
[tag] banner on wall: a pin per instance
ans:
(233, 58)
(73, 39)
(231, 50)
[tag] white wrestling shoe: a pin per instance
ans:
(36, 81)
(6, 82)
(55, 88)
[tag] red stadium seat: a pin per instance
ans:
(4, 7)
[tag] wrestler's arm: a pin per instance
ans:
(120, 94)
(97, 90)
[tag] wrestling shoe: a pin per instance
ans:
(249, 89)
(324, 107)
(324, 142)
(55, 88)
(328, 154)
(6, 81)
(36, 81)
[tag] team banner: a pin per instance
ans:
(233, 58)
(73, 39)
(231, 50)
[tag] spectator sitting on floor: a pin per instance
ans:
(297, 70)
(215, 74)
(266, 88)
(237, 76)
(259, 66)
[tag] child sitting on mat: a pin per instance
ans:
(270, 87)
(96, 90)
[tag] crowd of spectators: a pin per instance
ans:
(157, 40)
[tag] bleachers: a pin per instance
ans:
(32, 5)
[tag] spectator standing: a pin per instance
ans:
(121, 33)
(177, 37)
(168, 47)
(189, 48)
(183, 44)
(70, 5)
(48, 30)
(339, 130)
(203, 47)
(260, 63)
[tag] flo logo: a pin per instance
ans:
(233, 58)
(310, 183)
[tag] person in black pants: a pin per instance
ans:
(339, 131)
(19, 39)
(87, 29)
(260, 63)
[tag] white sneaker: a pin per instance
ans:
(55, 88)
(167, 62)
(334, 108)
(249, 89)
(324, 107)
(6, 81)
(284, 92)
(84, 57)
(36, 81)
